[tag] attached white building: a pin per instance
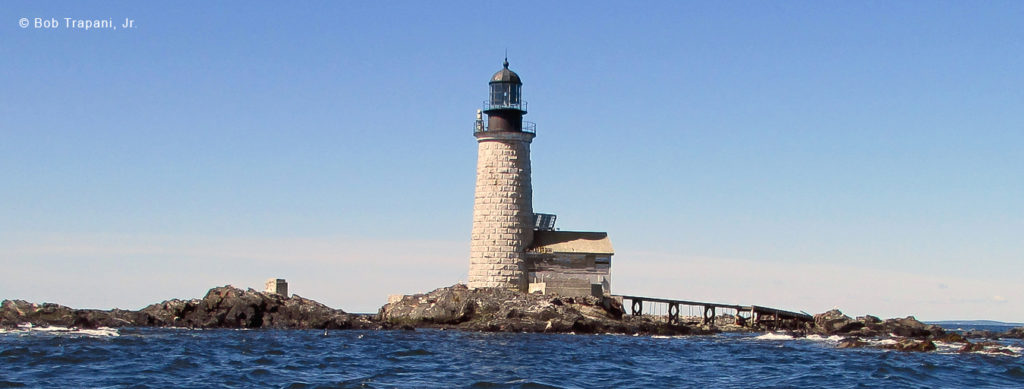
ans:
(570, 263)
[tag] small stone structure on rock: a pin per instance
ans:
(277, 286)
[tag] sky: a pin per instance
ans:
(866, 156)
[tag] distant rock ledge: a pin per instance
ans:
(906, 334)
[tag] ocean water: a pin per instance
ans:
(159, 358)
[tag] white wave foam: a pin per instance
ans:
(101, 331)
(819, 338)
(997, 353)
(884, 342)
(947, 348)
(51, 329)
(774, 336)
(29, 328)
(1015, 351)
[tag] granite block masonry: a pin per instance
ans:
(502, 212)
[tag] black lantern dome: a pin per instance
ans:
(506, 76)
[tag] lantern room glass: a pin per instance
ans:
(505, 94)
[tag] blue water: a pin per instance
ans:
(976, 327)
(158, 358)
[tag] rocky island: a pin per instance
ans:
(483, 309)
(505, 310)
(221, 307)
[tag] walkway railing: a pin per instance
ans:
(481, 126)
(744, 315)
(521, 105)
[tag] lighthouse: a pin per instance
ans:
(503, 203)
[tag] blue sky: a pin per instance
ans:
(806, 155)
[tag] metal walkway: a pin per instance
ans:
(755, 315)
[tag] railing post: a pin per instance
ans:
(637, 306)
(709, 315)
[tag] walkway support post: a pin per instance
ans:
(709, 315)
(673, 313)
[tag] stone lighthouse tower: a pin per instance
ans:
(503, 206)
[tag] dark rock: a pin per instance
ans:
(442, 306)
(230, 307)
(869, 320)
(851, 343)
(865, 332)
(94, 318)
(835, 322)
(170, 313)
(503, 310)
(981, 334)
(872, 324)
(934, 330)
(988, 347)
(15, 312)
(912, 345)
(222, 307)
(911, 334)
(910, 327)
(972, 347)
(951, 338)
(1013, 333)
(18, 312)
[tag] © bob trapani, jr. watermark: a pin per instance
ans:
(51, 23)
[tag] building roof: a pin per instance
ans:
(506, 76)
(572, 242)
